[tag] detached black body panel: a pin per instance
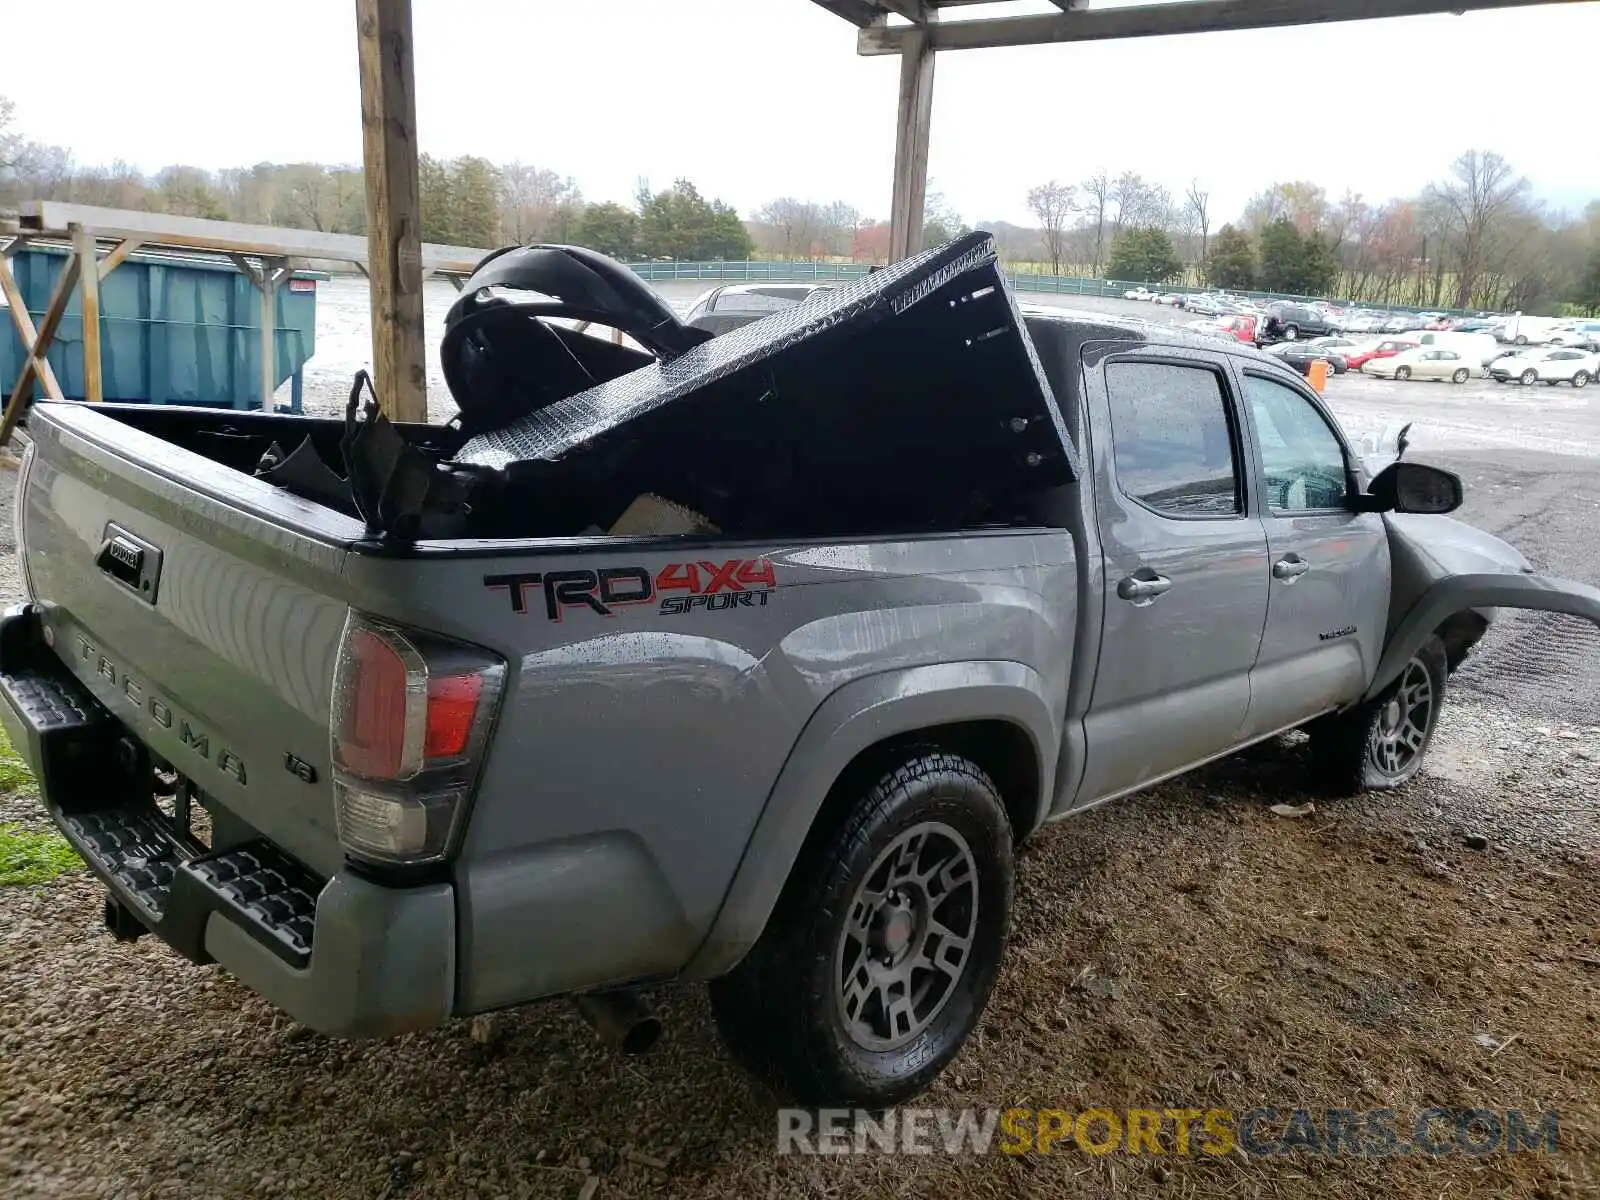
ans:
(924, 365)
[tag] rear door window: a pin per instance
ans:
(1173, 441)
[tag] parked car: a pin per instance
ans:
(1359, 356)
(1300, 356)
(1172, 299)
(735, 305)
(1471, 324)
(1479, 348)
(1584, 334)
(1423, 362)
(1403, 323)
(1527, 331)
(1139, 293)
(1577, 367)
(1204, 305)
(1364, 321)
(583, 737)
(1290, 322)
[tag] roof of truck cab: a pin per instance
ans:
(1107, 325)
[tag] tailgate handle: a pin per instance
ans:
(131, 561)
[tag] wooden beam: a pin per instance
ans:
(1159, 20)
(118, 256)
(23, 320)
(34, 363)
(858, 12)
(162, 230)
(16, 243)
(394, 206)
(912, 131)
(88, 256)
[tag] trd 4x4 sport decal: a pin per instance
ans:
(737, 583)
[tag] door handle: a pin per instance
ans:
(1143, 591)
(1289, 569)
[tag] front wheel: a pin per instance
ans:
(1461, 375)
(1402, 372)
(1581, 379)
(1529, 377)
(1380, 744)
(880, 956)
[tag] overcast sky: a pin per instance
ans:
(759, 98)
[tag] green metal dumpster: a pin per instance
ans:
(173, 330)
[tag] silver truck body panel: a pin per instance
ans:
(656, 764)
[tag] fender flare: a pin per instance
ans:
(1459, 593)
(857, 716)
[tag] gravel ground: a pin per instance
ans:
(1183, 948)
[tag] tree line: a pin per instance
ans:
(466, 201)
(1475, 239)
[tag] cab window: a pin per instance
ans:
(1303, 457)
(1172, 441)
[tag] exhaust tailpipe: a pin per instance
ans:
(622, 1020)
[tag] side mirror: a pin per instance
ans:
(1406, 487)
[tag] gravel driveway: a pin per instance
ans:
(1184, 944)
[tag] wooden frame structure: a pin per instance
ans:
(101, 239)
(916, 31)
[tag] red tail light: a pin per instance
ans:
(452, 707)
(411, 714)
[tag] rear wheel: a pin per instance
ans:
(1379, 745)
(1461, 375)
(1522, 339)
(1402, 372)
(880, 956)
(1529, 377)
(1291, 332)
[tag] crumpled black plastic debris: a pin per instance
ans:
(398, 490)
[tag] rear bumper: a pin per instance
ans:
(344, 956)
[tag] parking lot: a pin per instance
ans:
(1187, 948)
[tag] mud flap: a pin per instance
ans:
(1460, 593)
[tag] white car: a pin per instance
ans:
(1139, 293)
(1576, 367)
(1584, 334)
(1423, 362)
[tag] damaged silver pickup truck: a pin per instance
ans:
(747, 658)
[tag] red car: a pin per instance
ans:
(1381, 348)
(1240, 325)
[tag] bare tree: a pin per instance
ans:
(836, 227)
(1482, 191)
(1136, 202)
(1197, 208)
(788, 227)
(1053, 203)
(531, 200)
(1097, 197)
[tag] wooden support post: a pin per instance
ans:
(394, 206)
(911, 144)
(35, 343)
(88, 255)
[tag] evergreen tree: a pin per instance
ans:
(609, 229)
(475, 203)
(1283, 253)
(1145, 255)
(1232, 263)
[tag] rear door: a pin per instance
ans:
(1329, 575)
(1185, 569)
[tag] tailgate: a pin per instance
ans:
(202, 607)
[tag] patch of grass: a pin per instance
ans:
(27, 857)
(14, 772)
